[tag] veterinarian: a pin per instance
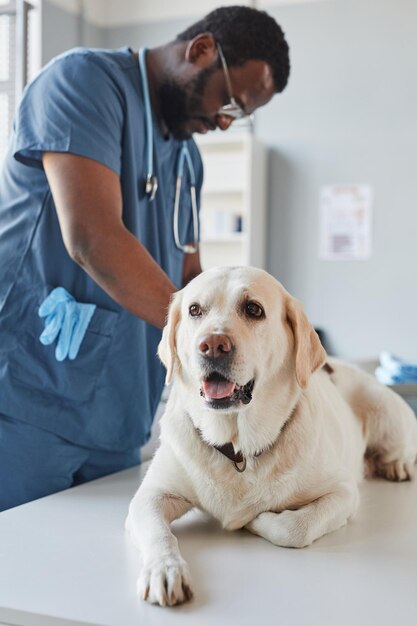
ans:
(91, 246)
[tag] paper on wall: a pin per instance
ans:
(345, 222)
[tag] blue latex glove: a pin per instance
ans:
(65, 319)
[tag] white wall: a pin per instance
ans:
(113, 13)
(64, 26)
(349, 115)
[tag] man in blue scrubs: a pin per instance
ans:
(74, 215)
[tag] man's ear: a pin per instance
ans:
(167, 346)
(201, 50)
(309, 353)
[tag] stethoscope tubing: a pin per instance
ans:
(151, 184)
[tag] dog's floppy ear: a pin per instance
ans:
(167, 347)
(309, 353)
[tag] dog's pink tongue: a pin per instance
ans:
(218, 389)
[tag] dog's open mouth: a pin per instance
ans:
(220, 392)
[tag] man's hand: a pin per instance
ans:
(192, 267)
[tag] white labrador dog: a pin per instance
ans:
(261, 429)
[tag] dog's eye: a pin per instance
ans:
(195, 310)
(253, 309)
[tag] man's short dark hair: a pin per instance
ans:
(246, 34)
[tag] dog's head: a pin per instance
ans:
(232, 330)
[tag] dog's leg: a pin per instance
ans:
(299, 528)
(389, 425)
(392, 437)
(165, 578)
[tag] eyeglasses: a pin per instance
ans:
(233, 109)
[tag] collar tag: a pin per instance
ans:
(239, 461)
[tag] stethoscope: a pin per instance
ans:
(151, 182)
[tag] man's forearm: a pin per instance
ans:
(122, 266)
(88, 201)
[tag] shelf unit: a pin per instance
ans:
(233, 202)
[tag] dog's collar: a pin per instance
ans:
(238, 459)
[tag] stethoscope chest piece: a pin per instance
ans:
(151, 186)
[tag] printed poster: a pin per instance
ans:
(345, 222)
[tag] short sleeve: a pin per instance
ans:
(74, 105)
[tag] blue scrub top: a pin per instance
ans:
(87, 102)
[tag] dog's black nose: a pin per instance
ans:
(215, 345)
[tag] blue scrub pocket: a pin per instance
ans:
(35, 365)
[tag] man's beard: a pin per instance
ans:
(177, 103)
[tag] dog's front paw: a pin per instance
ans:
(165, 582)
